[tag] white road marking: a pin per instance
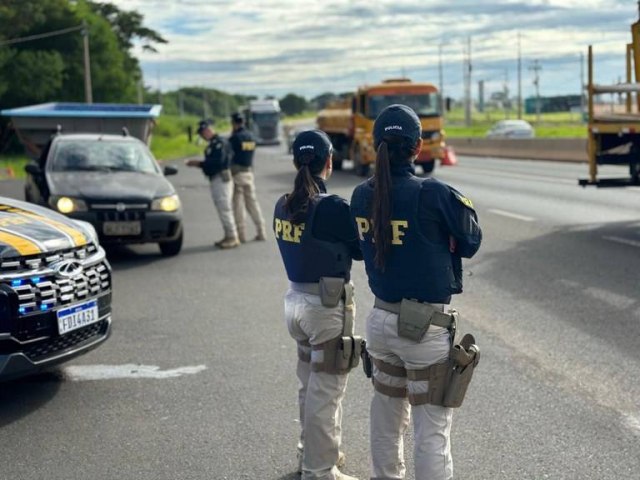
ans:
(79, 373)
(624, 241)
(632, 421)
(611, 298)
(517, 216)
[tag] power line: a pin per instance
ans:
(40, 35)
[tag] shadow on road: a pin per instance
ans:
(124, 257)
(19, 398)
(290, 476)
(582, 275)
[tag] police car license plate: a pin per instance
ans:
(122, 228)
(77, 316)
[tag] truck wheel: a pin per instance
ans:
(428, 167)
(360, 169)
(634, 171)
(171, 248)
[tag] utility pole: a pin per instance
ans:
(536, 67)
(442, 100)
(467, 86)
(519, 78)
(140, 92)
(88, 93)
(505, 93)
(581, 86)
(159, 87)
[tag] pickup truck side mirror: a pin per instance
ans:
(33, 169)
(170, 170)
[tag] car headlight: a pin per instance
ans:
(68, 204)
(166, 204)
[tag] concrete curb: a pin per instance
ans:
(550, 149)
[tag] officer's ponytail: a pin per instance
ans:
(391, 150)
(381, 211)
(304, 187)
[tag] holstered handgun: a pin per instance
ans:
(367, 364)
(464, 359)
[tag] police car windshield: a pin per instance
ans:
(101, 155)
(424, 104)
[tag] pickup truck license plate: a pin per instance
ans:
(122, 228)
(77, 316)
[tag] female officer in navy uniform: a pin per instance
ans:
(413, 233)
(317, 241)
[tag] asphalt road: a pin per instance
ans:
(197, 381)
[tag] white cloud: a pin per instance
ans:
(277, 46)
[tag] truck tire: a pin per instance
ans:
(427, 168)
(360, 169)
(634, 171)
(171, 248)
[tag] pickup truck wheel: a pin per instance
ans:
(360, 169)
(171, 248)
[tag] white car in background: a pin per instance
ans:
(511, 129)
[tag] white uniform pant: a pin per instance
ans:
(244, 195)
(390, 415)
(320, 394)
(221, 193)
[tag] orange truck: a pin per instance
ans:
(349, 122)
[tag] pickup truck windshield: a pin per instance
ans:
(76, 155)
(425, 104)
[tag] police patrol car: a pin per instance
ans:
(55, 289)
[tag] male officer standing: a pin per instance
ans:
(215, 166)
(244, 189)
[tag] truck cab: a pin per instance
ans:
(263, 120)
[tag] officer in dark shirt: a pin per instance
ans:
(215, 167)
(318, 241)
(244, 189)
(413, 233)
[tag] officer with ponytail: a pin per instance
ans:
(413, 233)
(318, 241)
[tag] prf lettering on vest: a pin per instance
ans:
(248, 146)
(398, 228)
(289, 232)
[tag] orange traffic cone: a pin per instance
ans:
(449, 158)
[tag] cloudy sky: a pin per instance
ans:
(313, 46)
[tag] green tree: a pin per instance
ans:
(52, 68)
(293, 104)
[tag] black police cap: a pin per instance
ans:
(397, 120)
(203, 125)
(237, 118)
(314, 142)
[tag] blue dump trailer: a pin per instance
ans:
(35, 124)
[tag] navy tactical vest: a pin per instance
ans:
(305, 257)
(244, 146)
(415, 268)
(215, 157)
